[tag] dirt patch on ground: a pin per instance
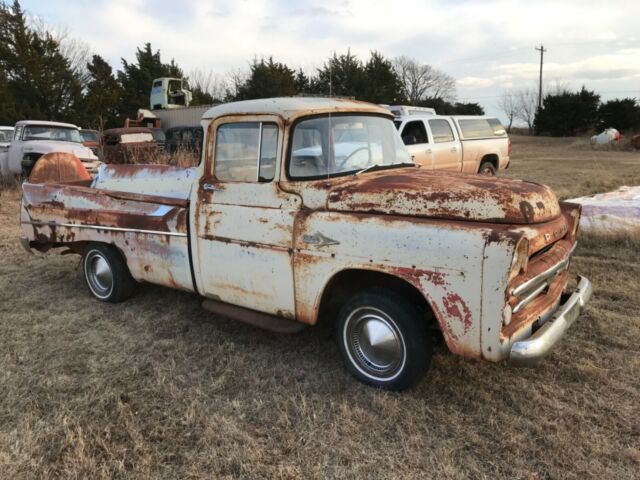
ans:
(156, 387)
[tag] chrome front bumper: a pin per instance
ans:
(529, 351)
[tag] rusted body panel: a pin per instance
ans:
(151, 235)
(418, 252)
(445, 195)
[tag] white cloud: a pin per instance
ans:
(488, 46)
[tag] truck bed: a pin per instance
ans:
(141, 209)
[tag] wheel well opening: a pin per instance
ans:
(348, 282)
(491, 157)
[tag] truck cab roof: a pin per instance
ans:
(290, 108)
(22, 123)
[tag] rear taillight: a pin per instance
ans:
(509, 147)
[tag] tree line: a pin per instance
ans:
(566, 113)
(47, 75)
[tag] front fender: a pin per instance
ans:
(442, 260)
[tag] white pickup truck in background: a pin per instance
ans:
(34, 138)
(471, 144)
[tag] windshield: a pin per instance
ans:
(340, 144)
(48, 132)
(89, 135)
(158, 135)
(6, 136)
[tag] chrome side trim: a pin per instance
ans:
(538, 345)
(102, 227)
(561, 265)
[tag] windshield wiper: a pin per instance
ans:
(374, 167)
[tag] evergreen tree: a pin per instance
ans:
(383, 84)
(342, 76)
(38, 80)
(101, 103)
(567, 113)
(268, 79)
(303, 83)
(200, 97)
(623, 114)
(443, 107)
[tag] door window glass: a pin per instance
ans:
(475, 128)
(246, 152)
(415, 129)
(441, 131)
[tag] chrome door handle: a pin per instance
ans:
(429, 150)
(210, 187)
(454, 149)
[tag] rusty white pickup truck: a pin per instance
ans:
(308, 209)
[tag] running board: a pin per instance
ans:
(252, 317)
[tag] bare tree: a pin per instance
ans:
(235, 79)
(209, 82)
(508, 104)
(422, 81)
(527, 105)
(77, 52)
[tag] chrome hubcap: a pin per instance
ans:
(374, 343)
(99, 274)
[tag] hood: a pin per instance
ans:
(45, 146)
(445, 195)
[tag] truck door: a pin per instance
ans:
(414, 136)
(447, 150)
(242, 222)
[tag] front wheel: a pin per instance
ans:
(106, 273)
(383, 339)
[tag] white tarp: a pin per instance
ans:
(608, 136)
(615, 210)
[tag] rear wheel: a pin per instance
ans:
(487, 168)
(106, 273)
(383, 339)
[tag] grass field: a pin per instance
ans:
(158, 388)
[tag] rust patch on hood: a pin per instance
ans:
(445, 195)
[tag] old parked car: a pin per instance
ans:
(281, 227)
(34, 138)
(184, 138)
(129, 145)
(90, 139)
(159, 137)
(459, 143)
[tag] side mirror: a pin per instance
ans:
(409, 140)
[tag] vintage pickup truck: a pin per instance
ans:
(308, 209)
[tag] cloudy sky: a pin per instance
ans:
(488, 46)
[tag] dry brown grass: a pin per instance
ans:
(156, 387)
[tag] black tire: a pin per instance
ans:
(487, 168)
(404, 348)
(106, 273)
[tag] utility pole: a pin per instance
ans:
(541, 50)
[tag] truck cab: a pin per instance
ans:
(167, 93)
